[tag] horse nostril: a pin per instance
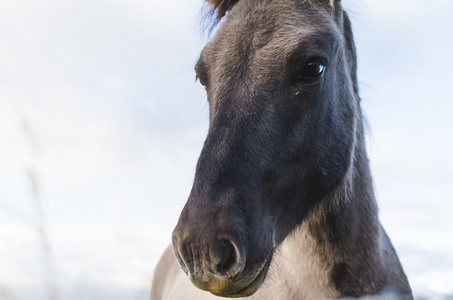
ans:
(232, 261)
(179, 255)
(181, 262)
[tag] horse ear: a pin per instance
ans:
(331, 3)
(220, 7)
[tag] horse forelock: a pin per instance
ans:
(219, 8)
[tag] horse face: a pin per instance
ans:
(282, 127)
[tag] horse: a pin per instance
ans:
(282, 205)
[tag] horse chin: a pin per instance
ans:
(253, 286)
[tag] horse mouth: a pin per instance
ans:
(253, 286)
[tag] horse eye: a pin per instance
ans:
(198, 78)
(201, 82)
(314, 69)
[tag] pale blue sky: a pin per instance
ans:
(99, 105)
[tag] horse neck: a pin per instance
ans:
(345, 225)
(341, 249)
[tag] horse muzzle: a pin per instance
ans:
(220, 266)
(246, 288)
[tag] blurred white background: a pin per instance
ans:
(101, 124)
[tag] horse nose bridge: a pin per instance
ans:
(228, 160)
(242, 144)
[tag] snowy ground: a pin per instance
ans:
(101, 124)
